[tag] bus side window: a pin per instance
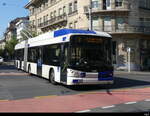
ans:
(51, 55)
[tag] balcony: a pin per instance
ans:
(54, 21)
(124, 29)
(114, 7)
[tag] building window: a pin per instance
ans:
(54, 13)
(107, 24)
(144, 4)
(119, 3)
(52, 1)
(75, 6)
(46, 3)
(60, 12)
(44, 19)
(120, 23)
(95, 4)
(64, 10)
(70, 8)
(96, 22)
(32, 11)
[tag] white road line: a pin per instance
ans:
(108, 107)
(83, 111)
(130, 103)
(147, 100)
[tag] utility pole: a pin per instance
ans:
(129, 55)
(90, 16)
(25, 51)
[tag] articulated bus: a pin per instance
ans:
(68, 56)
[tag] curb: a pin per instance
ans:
(132, 72)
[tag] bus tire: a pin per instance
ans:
(52, 77)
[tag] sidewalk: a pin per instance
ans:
(75, 103)
(8, 63)
(132, 72)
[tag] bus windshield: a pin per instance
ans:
(90, 53)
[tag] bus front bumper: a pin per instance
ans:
(87, 81)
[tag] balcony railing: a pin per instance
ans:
(53, 21)
(123, 29)
(112, 7)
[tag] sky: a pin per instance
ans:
(9, 10)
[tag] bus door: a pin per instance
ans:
(39, 61)
(64, 63)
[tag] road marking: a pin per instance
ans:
(38, 97)
(108, 107)
(83, 111)
(3, 100)
(14, 74)
(130, 103)
(147, 100)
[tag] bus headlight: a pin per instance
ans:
(75, 73)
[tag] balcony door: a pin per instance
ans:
(107, 24)
(106, 4)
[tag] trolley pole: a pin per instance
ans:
(90, 16)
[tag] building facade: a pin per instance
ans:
(21, 25)
(2, 44)
(128, 22)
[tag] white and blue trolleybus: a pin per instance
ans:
(68, 56)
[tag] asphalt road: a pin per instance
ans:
(23, 86)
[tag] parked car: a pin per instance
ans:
(1, 59)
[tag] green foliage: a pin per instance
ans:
(1, 52)
(10, 45)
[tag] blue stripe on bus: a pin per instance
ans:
(62, 32)
(101, 76)
(64, 38)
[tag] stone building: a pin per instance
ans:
(11, 30)
(128, 22)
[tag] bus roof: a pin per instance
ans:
(52, 37)
(63, 32)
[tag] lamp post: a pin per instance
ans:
(90, 16)
(129, 58)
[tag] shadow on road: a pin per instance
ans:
(7, 67)
(119, 82)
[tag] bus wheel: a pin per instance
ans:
(52, 77)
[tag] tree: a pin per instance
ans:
(1, 52)
(9, 47)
